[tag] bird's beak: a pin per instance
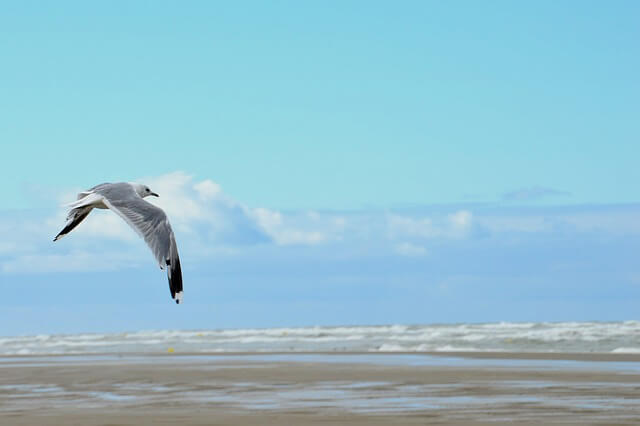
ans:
(154, 194)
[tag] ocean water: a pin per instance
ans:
(599, 337)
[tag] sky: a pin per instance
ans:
(322, 163)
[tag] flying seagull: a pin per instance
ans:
(149, 221)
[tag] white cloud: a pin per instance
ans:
(408, 226)
(266, 218)
(207, 189)
(210, 224)
(410, 250)
(194, 205)
(207, 222)
(454, 225)
(460, 220)
(274, 224)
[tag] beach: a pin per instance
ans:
(320, 388)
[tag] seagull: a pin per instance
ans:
(150, 222)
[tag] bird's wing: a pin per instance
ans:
(96, 188)
(151, 223)
(74, 218)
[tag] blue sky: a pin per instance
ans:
(323, 163)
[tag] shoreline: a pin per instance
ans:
(550, 356)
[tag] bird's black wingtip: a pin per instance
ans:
(174, 272)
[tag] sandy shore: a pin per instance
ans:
(300, 389)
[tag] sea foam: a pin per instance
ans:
(603, 337)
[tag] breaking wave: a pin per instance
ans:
(614, 337)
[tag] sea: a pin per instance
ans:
(557, 337)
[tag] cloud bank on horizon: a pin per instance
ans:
(210, 223)
(255, 266)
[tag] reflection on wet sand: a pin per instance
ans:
(309, 387)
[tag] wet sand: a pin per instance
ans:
(301, 389)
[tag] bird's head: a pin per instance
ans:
(143, 190)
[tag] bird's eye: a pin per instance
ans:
(148, 190)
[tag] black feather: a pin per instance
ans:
(78, 217)
(175, 277)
